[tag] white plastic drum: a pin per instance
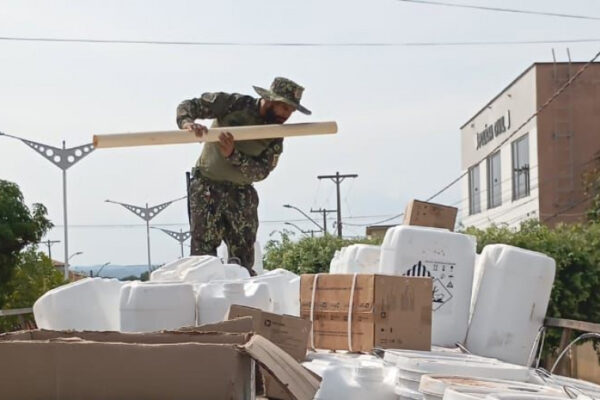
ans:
(356, 258)
(90, 304)
(155, 306)
(445, 256)
(511, 302)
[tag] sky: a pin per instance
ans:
(398, 108)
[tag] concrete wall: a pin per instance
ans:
(518, 99)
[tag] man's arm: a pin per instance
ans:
(209, 106)
(257, 168)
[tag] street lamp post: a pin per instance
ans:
(64, 159)
(101, 268)
(179, 236)
(305, 214)
(147, 213)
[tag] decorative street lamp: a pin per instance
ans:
(305, 214)
(64, 159)
(179, 236)
(147, 213)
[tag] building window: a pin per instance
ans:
(520, 165)
(474, 192)
(494, 182)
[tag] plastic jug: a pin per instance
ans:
(90, 304)
(284, 288)
(511, 302)
(356, 258)
(449, 259)
(198, 269)
(258, 259)
(155, 306)
(353, 379)
(214, 299)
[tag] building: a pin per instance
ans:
(377, 231)
(537, 173)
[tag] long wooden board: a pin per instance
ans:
(253, 132)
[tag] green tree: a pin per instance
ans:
(33, 276)
(19, 227)
(308, 255)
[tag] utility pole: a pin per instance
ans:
(325, 212)
(49, 243)
(337, 179)
(180, 236)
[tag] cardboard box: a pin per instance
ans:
(387, 311)
(429, 214)
(167, 365)
(287, 332)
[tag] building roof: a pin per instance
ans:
(515, 81)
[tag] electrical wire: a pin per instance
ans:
(293, 44)
(498, 9)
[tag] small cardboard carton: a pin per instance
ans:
(429, 214)
(53, 365)
(386, 311)
(287, 332)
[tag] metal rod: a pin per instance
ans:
(66, 223)
(148, 237)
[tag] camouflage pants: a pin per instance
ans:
(223, 211)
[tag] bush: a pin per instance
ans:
(309, 255)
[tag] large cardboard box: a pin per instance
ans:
(167, 365)
(287, 332)
(386, 312)
(422, 213)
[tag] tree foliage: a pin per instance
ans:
(33, 276)
(19, 227)
(308, 255)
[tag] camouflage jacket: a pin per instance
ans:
(251, 160)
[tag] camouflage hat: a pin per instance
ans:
(285, 90)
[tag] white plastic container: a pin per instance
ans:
(198, 269)
(445, 256)
(151, 307)
(411, 370)
(587, 388)
(511, 302)
(521, 396)
(356, 258)
(258, 266)
(353, 379)
(214, 299)
(434, 387)
(284, 289)
(90, 304)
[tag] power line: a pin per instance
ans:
(534, 115)
(294, 44)
(506, 10)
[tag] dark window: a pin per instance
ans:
(494, 181)
(520, 164)
(474, 192)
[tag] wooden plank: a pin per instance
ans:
(253, 132)
(572, 324)
(16, 311)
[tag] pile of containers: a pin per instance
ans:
(192, 290)
(356, 258)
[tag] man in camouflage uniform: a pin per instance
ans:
(223, 202)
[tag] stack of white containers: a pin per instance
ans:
(449, 259)
(191, 290)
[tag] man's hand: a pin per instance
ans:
(226, 143)
(198, 129)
